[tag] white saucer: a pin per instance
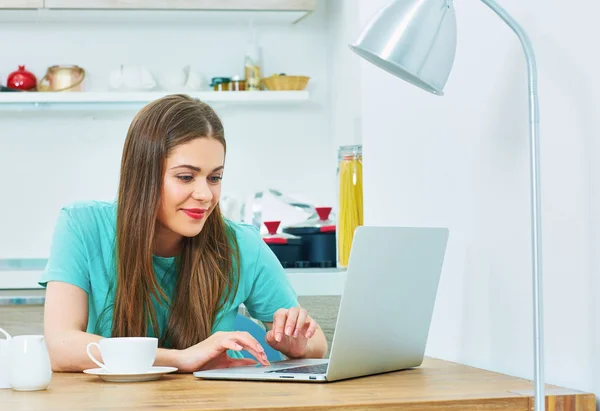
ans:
(153, 374)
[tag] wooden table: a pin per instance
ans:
(436, 385)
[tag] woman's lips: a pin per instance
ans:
(195, 213)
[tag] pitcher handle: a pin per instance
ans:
(89, 353)
(7, 335)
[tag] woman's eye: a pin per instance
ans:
(185, 179)
(215, 179)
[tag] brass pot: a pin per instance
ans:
(62, 78)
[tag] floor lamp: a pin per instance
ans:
(415, 40)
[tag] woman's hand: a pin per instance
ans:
(212, 352)
(292, 328)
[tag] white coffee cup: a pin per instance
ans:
(126, 355)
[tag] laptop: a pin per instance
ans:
(384, 314)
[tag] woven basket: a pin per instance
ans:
(281, 83)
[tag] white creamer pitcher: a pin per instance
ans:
(29, 363)
(4, 375)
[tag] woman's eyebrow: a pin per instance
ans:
(196, 169)
(187, 166)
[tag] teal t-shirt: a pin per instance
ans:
(82, 254)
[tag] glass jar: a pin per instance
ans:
(350, 199)
(237, 84)
(221, 83)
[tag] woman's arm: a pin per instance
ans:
(65, 322)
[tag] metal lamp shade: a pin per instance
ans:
(414, 40)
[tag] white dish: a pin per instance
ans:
(153, 374)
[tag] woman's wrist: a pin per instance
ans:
(317, 346)
(313, 350)
(168, 358)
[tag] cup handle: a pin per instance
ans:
(89, 353)
(44, 87)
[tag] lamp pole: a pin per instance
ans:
(536, 220)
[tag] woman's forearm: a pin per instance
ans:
(68, 352)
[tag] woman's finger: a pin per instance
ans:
(232, 345)
(247, 338)
(312, 328)
(278, 323)
(270, 337)
(302, 318)
(250, 344)
(290, 324)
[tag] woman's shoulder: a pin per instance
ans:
(247, 235)
(90, 205)
(90, 214)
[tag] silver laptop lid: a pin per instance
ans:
(386, 308)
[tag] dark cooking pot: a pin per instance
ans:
(318, 239)
(286, 247)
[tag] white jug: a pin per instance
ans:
(4, 375)
(131, 78)
(29, 363)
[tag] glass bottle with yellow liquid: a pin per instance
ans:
(252, 68)
(350, 197)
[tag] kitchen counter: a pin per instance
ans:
(306, 281)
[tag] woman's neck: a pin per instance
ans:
(166, 242)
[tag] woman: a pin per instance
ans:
(162, 261)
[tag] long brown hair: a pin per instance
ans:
(208, 267)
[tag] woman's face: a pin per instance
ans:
(191, 188)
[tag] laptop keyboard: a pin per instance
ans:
(306, 369)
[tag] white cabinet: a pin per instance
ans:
(161, 11)
(21, 4)
(227, 5)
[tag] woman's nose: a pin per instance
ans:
(202, 192)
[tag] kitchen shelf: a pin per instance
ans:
(233, 5)
(60, 99)
(21, 4)
(156, 11)
(305, 281)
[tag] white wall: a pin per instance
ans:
(49, 158)
(344, 73)
(461, 161)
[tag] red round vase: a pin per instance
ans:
(21, 79)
